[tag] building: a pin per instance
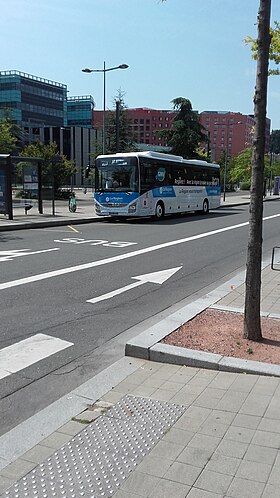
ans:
(32, 102)
(41, 108)
(75, 142)
(80, 111)
(145, 124)
(229, 132)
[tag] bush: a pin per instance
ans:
(245, 185)
(64, 193)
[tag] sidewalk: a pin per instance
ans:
(159, 429)
(85, 212)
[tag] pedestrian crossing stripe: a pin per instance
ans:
(29, 351)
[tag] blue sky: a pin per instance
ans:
(179, 48)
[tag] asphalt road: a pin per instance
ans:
(49, 275)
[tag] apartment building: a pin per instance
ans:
(229, 132)
(145, 124)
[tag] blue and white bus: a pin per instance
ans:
(154, 184)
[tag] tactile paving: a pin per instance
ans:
(96, 461)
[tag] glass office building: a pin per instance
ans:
(80, 111)
(31, 101)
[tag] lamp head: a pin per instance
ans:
(123, 66)
(86, 70)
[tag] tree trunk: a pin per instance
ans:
(252, 321)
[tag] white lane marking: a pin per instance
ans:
(113, 259)
(25, 353)
(157, 277)
(9, 255)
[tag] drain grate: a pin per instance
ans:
(96, 461)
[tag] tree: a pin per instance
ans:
(186, 133)
(252, 321)
(8, 140)
(275, 141)
(240, 167)
(56, 168)
(274, 49)
(119, 133)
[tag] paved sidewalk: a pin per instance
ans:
(156, 429)
(85, 211)
(159, 429)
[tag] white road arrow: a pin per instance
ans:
(157, 277)
(16, 253)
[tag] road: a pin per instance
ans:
(72, 291)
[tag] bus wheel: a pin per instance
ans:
(159, 213)
(205, 207)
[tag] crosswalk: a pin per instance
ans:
(29, 351)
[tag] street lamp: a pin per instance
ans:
(104, 71)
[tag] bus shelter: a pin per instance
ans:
(23, 175)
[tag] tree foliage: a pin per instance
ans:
(56, 168)
(123, 122)
(275, 141)
(274, 50)
(240, 167)
(8, 139)
(186, 132)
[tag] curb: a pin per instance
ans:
(147, 345)
(80, 221)
(194, 358)
(49, 223)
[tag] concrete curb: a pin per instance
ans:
(194, 358)
(23, 437)
(16, 225)
(48, 223)
(147, 344)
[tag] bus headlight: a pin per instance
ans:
(132, 208)
(97, 208)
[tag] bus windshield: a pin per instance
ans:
(117, 174)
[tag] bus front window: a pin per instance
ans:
(117, 175)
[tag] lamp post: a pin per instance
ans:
(104, 71)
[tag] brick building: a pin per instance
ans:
(229, 132)
(144, 122)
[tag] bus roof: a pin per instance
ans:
(162, 156)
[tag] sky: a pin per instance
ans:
(179, 48)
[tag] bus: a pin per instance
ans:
(154, 184)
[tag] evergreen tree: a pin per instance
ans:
(186, 132)
(119, 133)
